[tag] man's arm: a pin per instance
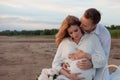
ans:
(84, 64)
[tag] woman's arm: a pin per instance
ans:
(72, 76)
(58, 60)
(65, 73)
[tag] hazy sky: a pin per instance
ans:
(47, 14)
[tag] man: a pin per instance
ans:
(90, 24)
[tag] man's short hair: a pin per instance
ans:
(93, 14)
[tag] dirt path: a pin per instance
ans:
(23, 58)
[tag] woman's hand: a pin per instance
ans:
(73, 76)
(85, 64)
(65, 66)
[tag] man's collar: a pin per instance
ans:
(96, 30)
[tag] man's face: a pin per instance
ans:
(87, 25)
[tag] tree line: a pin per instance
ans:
(114, 30)
(29, 32)
(113, 27)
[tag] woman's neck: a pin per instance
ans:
(76, 40)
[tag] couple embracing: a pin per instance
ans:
(83, 49)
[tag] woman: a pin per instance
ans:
(70, 39)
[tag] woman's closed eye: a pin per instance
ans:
(70, 32)
(76, 30)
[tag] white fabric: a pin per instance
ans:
(89, 43)
(62, 77)
(47, 74)
(105, 39)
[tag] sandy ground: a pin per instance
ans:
(22, 58)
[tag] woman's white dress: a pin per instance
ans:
(90, 44)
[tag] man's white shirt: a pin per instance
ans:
(105, 39)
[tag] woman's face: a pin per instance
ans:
(74, 32)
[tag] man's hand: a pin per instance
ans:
(73, 56)
(84, 64)
(79, 54)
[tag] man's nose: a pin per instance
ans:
(81, 25)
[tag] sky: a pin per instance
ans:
(49, 14)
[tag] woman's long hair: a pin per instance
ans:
(62, 33)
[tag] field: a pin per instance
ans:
(22, 58)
